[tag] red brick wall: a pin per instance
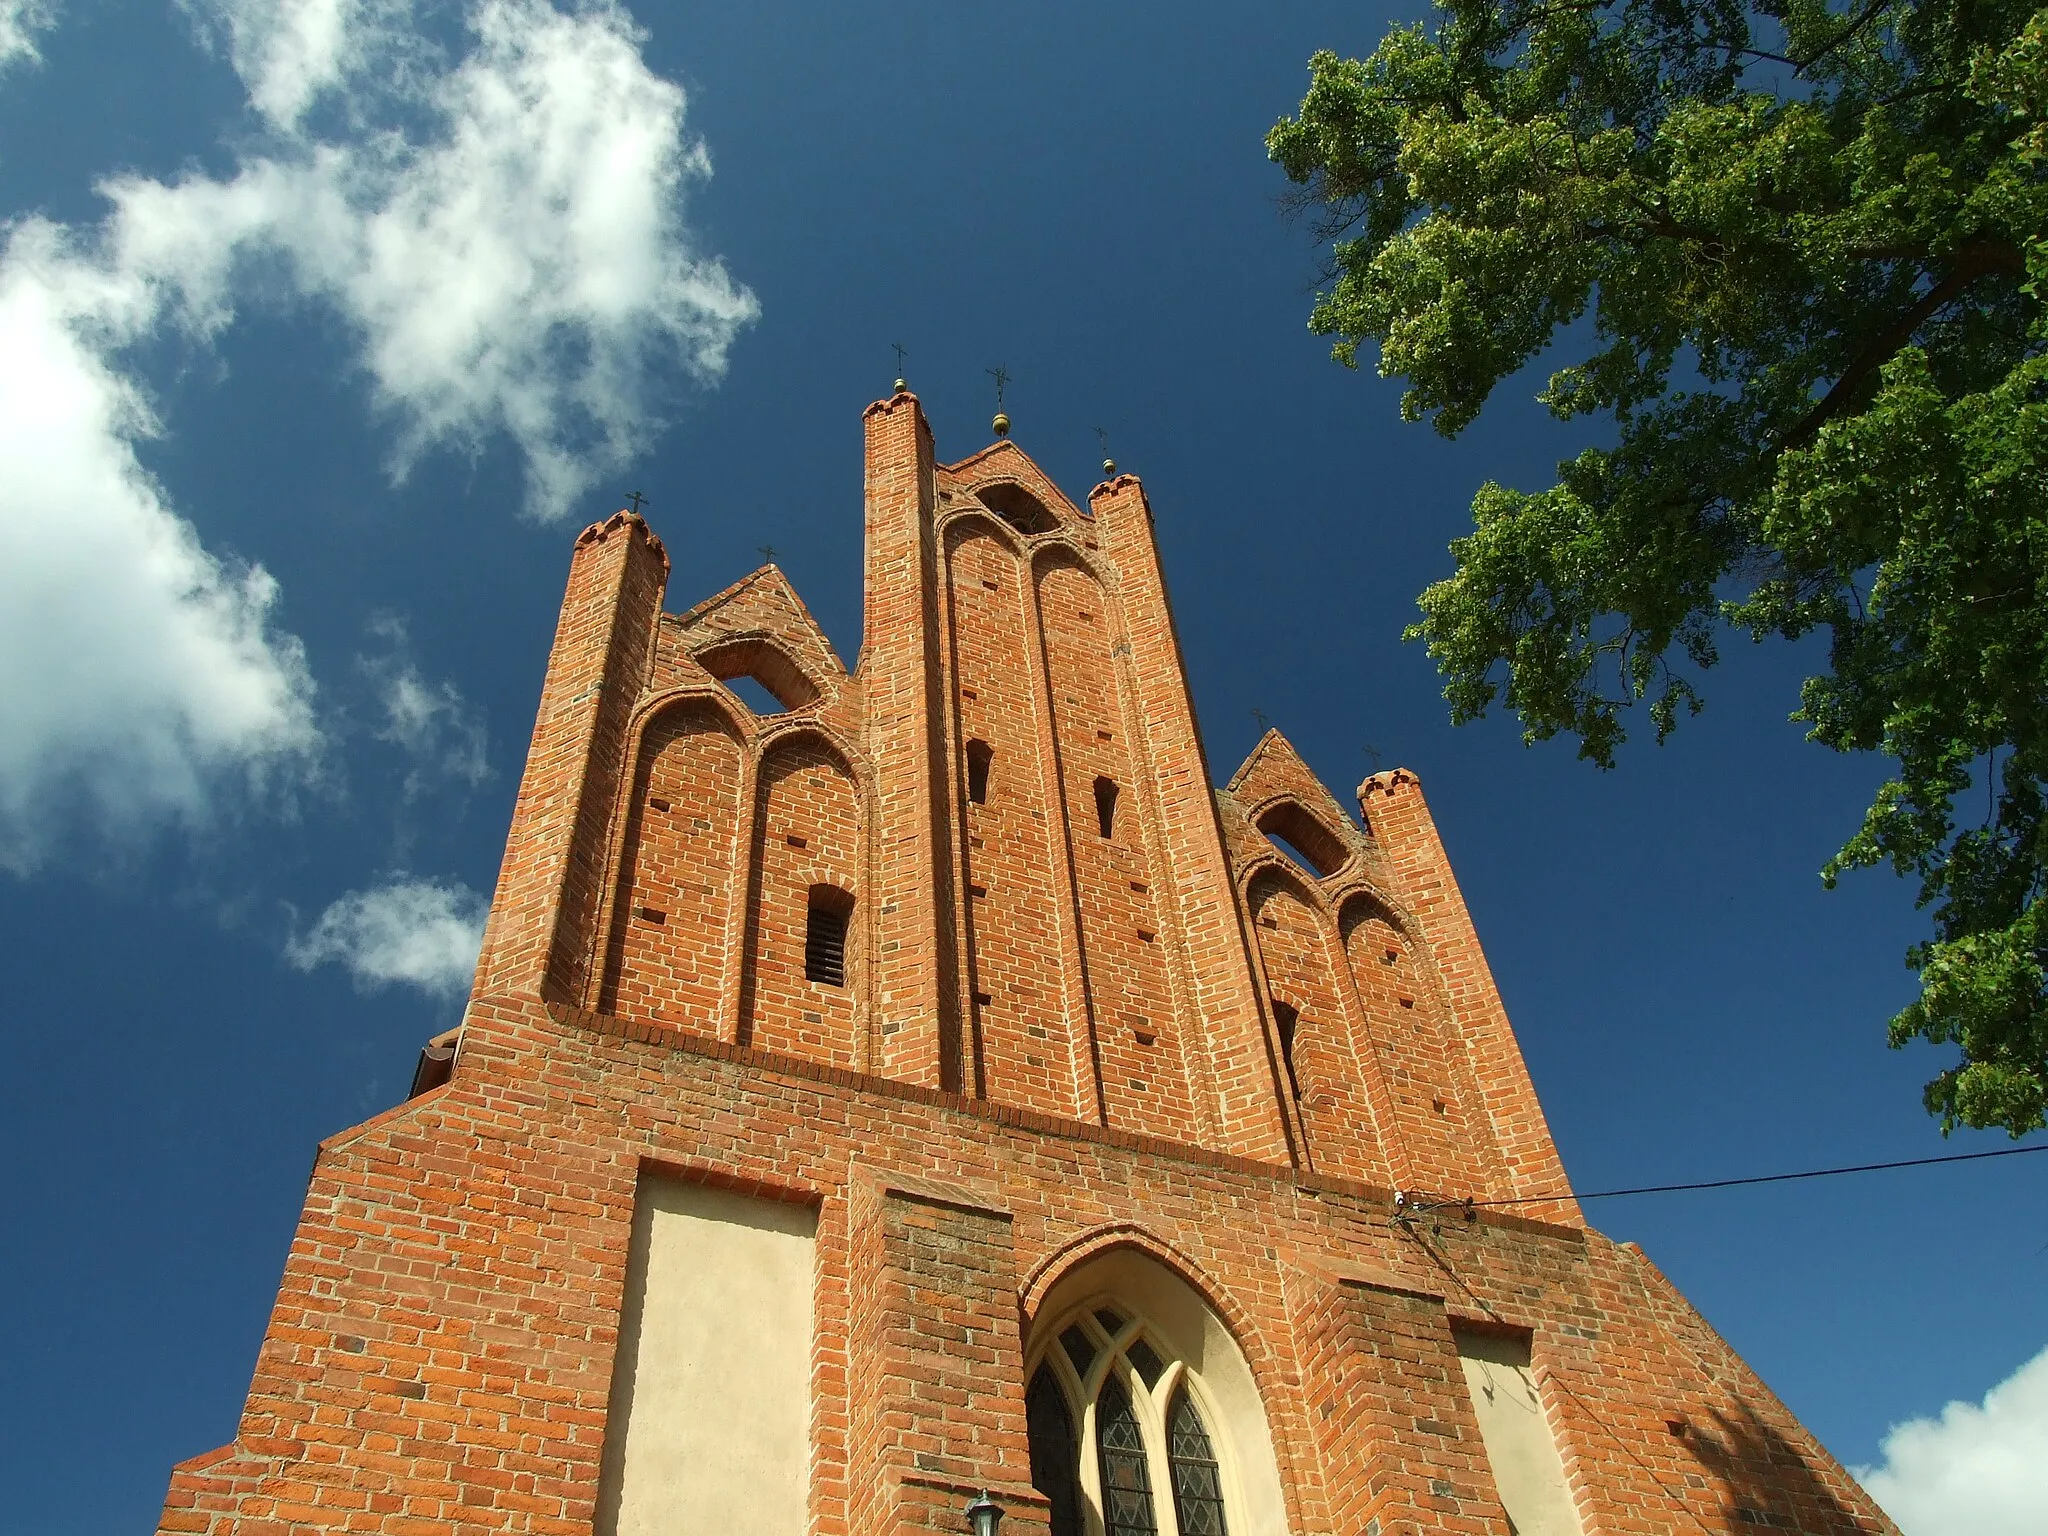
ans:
(1445, 1137)
(1138, 1040)
(676, 902)
(1031, 1037)
(1231, 1058)
(541, 928)
(916, 962)
(1337, 1115)
(1401, 823)
(440, 1354)
(808, 833)
(441, 1351)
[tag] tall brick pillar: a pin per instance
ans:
(936, 1364)
(1211, 937)
(1399, 1444)
(916, 987)
(1394, 809)
(539, 939)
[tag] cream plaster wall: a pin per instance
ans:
(1519, 1443)
(709, 1431)
(1140, 1284)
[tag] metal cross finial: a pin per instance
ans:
(1002, 377)
(1373, 752)
(901, 353)
(767, 552)
(636, 498)
(1108, 463)
(1260, 716)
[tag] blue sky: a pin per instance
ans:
(325, 324)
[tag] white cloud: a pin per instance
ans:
(20, 21)
(432, 723)
(138, 671)
(505, 238)
(289, 52)
(419, 933)
(1978, 1470)
(509, 247)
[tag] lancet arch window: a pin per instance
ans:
(764, 677)
(1017, 507)
(1305, 841)
(1122, 1443)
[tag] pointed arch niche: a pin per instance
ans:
(1144, 1416)
(759, 662)
(665, 954)
(807, 858)
(1321, 1067)
(1436, 1105)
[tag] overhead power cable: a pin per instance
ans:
(1761, 1178)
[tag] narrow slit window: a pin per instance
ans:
(1197, 1479)
(1105, 806)
(1286, 1019)
(979, 756)
(831, 910)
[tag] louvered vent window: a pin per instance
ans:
(831, 909)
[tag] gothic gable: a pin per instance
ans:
(756, 627)
(1279, 797)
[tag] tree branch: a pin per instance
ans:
(1973, 259)
(1856, 25)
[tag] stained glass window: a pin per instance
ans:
(1120, 1452)
(1080, 1348)
(1055, 1453)
(1197, 1486)
(1145, 1362)
(1145, 1439)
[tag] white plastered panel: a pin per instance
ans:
(709, 1430)
(1519, 1444)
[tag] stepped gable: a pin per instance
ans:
(893, 1091)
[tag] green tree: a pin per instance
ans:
(1793, 252)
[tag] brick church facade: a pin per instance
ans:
(927, 1082)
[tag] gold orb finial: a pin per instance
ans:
(901, 386)
(1001, 424)
(1108, 469)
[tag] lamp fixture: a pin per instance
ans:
(984, 1515)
